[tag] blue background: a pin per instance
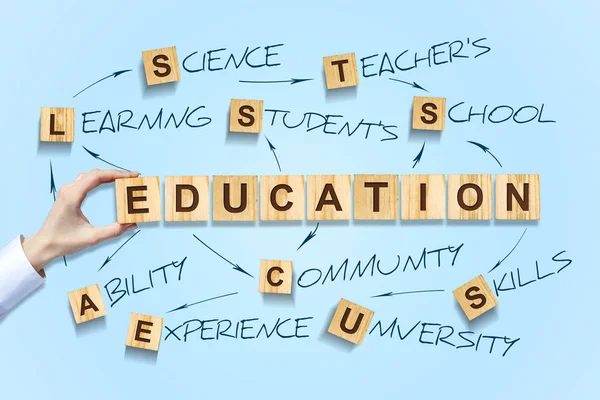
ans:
(542, 52)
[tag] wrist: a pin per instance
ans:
(37, 249)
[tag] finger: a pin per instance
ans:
(103, 233)
(96, 177)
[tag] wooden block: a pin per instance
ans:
(275, 277)
(235, 198)
(161, 65)
(376, 197)
(186, 198)
(245, 116)
(328, 197)
(475, 297)
(470, 197)
(57, 125)
(350, 321)
(429, 113)
(282, 198)
(144, 331)
(138, 200)
(423, 197)
(518, 197)
(87, 304)
(341, 71)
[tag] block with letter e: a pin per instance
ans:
(429, 113)
(86, 304)
(350, 321)
(275, 277)
(475, 298)
(57, 125)
(161, 65)
(186, 198)
(138, 200)
(340, 71)
(144, 331)
(245, 116)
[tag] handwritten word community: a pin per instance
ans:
(329, 197)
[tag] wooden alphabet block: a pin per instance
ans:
(138, 200)
(423, 197)
(470, 197)
(328, 197)
(429, 113)
(275, 277)
(57, 125)
(340, 71)
(161, 65)
(245, 116)
(350, 321)
(282, 198)
(475, 297)
(186, 198)
(518, 197)
(235, 198)
(87, 304)
(144, 331)
(376, 197)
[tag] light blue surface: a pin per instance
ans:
(542, 52)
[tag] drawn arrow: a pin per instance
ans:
(114, 74)
(417, 159)
(53, 191)
(311, 235)
(413, 84)
(97, 157)
(273, 150)
(235, 266)
(513, 249)
(109, 258)
(390, 294)
(291, 81)
(485, 150)
(183, 307)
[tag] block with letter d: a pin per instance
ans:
(186, 198)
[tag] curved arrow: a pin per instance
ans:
(235, 266)
(485, 150)
(273, 150)
(114, 74)
(513, 249)
(417, 159)
(186, 305)
(413, 84)
(311, 235)
(390, 294)
(109, 258)
(291, 81)
(53, 191)
(97, 157)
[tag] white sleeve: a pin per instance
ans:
(17, 277)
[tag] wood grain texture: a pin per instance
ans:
(57, 125)
(290, 204)
(511, 191)
(166, 55)
(144, 331)
(350, 321)
(90, 300)
(141, 205)
(241, 208)
(280, 274)
(414, 206)
(475, 297)
(193, 192)
(373, 201)
(245, 116)
(325, 187)
(432, 117)
(349, 76)
(473, 191)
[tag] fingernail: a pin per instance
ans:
(130, 227)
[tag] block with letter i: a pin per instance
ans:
(87, 304)
(350, 321)
(275, 277)
(57, 125)
(340, 71)
(245, 116)
(475, 298)
(161, 65)
(144, 331)
(429, 113)
(423, 197)
(138, 200)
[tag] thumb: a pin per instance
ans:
(114, 230)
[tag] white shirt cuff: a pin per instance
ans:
(17, 277)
